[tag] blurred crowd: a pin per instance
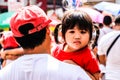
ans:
(76, 41)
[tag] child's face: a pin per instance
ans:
(76, 38)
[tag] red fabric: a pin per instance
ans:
(44, 4)
(9, 41)
(29, 14)
(83, 58)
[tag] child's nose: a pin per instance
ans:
(77, 35)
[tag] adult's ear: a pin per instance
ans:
(47, 30)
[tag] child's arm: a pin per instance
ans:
(97, 76)
(12, 54)
(93, 77)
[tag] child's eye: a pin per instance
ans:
(71, 31)
(83, 32)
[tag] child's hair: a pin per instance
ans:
(79, 18)
(96, 37)
(55, 33)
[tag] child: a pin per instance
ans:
(7, 42)
(77, 33)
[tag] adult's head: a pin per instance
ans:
(117, 20)
(29, 25)
(117, 23)
(107, 20)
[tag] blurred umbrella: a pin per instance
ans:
(112, 8)
(5, 19)
(94, 14)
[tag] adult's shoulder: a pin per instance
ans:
(110, 36)
(74, 71)
(106, 41)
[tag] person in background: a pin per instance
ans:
(117, 23)
(100, 25)
(109, 52)
(107, 21)
(7, 42)
(30, 29)
(77, 33)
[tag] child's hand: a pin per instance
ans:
(2, 54)
(7, 55)
(11, 57)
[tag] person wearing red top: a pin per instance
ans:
(83, 57)
(7, 42)
(77, 33)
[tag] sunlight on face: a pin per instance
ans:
(76, 39)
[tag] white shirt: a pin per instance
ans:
(113, 58)
(104, 31)
(41, 67)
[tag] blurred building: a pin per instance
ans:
(46, 4)
(118, 1)
(100, 0)
(115, 1)
(93, 2)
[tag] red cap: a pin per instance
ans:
(8, 40)
(29, 14)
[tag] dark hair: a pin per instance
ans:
(79, 18)
(107, 20)
(100, 25)
(30, 40)
(117, 20)
(55, 33)
(95, 43)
